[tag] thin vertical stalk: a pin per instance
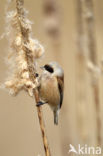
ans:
(26, 51)
(80, 69)
(90, 23)
(52, 24)
(42, 125)
(19, 7)
(52, 21)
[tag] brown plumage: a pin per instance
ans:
(51, 87)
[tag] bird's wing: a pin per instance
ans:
(61, 88)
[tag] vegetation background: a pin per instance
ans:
(19, 128)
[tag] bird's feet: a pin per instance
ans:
(40, 103)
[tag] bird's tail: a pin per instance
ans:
(56, 117)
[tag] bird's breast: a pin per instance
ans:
(49, 90)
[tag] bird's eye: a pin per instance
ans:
(48, 68)
(36, 74)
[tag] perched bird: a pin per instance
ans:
(51, 87)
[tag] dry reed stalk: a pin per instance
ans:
(52, 25)
(80, 67)
(25, 52)
(42, 125)
(89, 21)
(51, 12)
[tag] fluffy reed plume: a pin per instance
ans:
(24, 52)
(81, 75)
(89, 21)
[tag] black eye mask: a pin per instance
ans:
(48, 68)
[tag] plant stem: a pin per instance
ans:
(24, 32)
(42, 125)
(81, 76)
(89, 20)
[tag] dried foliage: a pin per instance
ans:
(24, 53)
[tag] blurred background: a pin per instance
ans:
(72, 34)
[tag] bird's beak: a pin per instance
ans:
(42, 67)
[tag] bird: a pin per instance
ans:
(51, 87)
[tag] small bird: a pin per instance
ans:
(51, 87)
